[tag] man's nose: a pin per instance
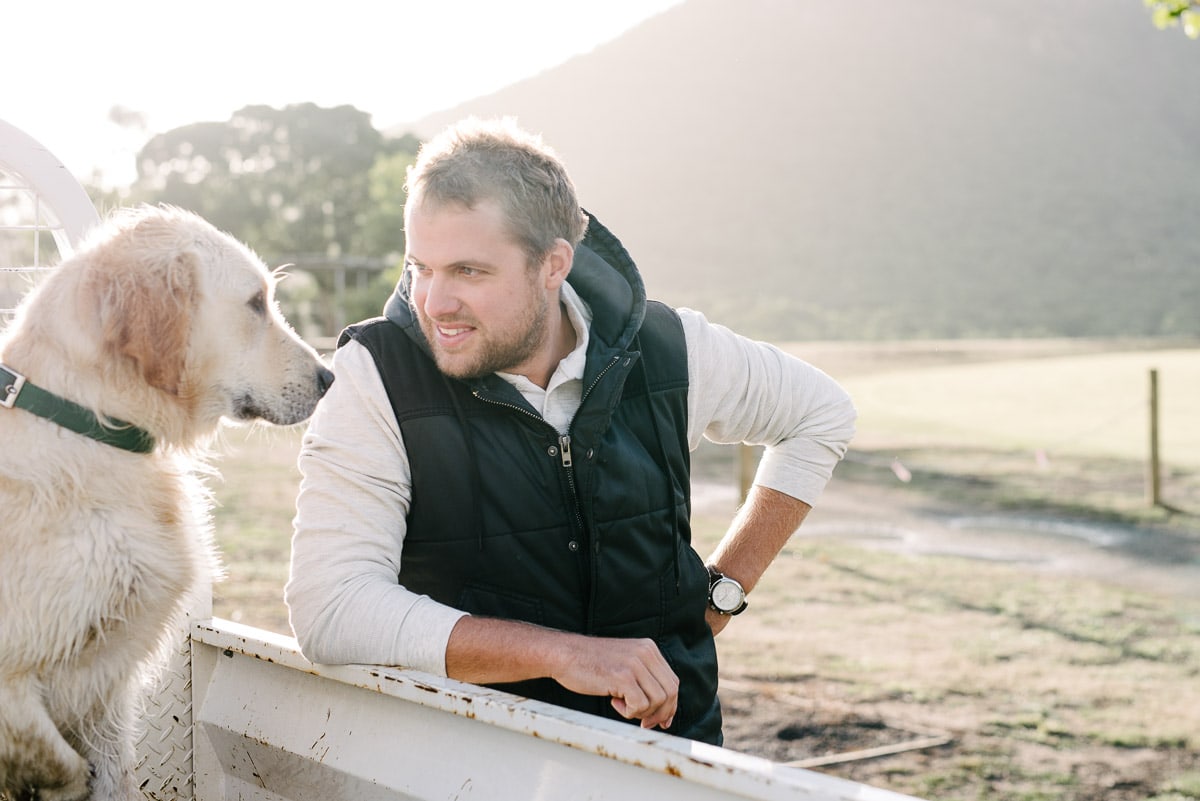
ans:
(440, 298)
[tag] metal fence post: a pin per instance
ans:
(1154, 470)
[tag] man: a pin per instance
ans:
(496, 488)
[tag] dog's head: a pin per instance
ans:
(178, 321)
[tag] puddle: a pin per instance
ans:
(1097, 535)
(1123, 555)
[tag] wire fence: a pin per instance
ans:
(27, 240)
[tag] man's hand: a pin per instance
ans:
(632, 673)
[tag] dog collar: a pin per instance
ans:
(17, 393)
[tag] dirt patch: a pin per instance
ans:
(771, 721)
(965, 650)
(862, 743)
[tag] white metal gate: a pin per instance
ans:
(37, 196)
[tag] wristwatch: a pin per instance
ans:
(725, 595)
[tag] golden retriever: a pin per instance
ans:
(160, 323)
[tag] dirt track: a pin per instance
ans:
(899, 519)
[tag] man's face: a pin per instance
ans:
(480, 305)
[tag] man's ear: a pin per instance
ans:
(560, 258)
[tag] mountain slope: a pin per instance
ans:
(809, 168)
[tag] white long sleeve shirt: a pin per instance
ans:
(343, 595)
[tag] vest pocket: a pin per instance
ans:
(695, 663)
(494, 602)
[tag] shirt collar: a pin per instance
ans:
(572, 365)
(581, 319)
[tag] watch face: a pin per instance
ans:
(726, 596)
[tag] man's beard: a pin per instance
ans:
(492, 355)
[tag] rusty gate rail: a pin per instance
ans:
(268, 724)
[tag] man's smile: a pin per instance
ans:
(451, 332)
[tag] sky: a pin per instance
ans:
(68, 63)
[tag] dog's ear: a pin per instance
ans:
(146, 316)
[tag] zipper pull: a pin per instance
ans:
(565, 444)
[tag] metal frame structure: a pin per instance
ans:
(54, 200)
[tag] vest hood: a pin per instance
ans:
(603, 273)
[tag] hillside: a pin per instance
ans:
(820, 169)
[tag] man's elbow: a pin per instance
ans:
(308, 632)
(314, 647)
(843, 427)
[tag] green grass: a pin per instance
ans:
(1060, 426)
(1090, 405)
(253, 523)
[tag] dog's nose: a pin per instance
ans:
(324, 380)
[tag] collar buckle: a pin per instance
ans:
(11, 383)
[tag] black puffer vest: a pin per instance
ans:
(587, 533)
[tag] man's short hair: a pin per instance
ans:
(495, 159)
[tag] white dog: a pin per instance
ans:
(134, 349)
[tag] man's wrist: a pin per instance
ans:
(726, 595)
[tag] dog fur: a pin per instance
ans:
(165, 322)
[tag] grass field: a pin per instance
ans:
(1038, 685)
(1059, 397)
(1035, 423)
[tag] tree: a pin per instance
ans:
(318, 187)
(383, 219)
(287, 181)
(1170, 13)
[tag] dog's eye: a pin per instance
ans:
(258, 303)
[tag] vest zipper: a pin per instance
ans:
(611, 363)
(564, 444)
(512, 406)
(565, 448)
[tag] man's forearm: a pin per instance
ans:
(757, 534)
(489, 651)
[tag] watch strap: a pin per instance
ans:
(715, 576)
